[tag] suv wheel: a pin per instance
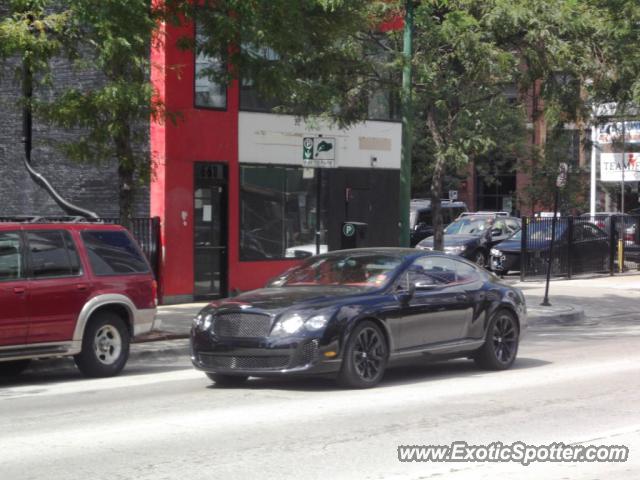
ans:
(105, 346)
(13, 368)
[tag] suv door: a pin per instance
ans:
(58, 287)
(13, 291)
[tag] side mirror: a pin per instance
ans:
(496, 232)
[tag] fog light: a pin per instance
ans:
(330, 354)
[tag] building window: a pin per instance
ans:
(210, 89)
(383, 104)
(250, 98)
(278, 212)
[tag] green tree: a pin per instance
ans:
(460, 75)
(308, 57)
(111, 36)
(114, 38)
(558, 46)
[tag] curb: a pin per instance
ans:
(556, 315)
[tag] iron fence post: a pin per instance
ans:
(612, 244)
(523, 248)
(569, 247)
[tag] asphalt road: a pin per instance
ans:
(163, 420)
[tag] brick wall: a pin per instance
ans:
(94, 187)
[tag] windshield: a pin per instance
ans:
(467, 226)
(359, 270)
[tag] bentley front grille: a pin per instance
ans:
(242, 325)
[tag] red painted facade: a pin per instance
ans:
(196, 135)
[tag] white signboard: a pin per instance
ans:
(612, 132)
(319, 152)
(611, 167)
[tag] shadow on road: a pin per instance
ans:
(405, 374)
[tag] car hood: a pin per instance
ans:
(509, 246)
(276, 300)
(452, 240)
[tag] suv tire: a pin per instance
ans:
(105, 346)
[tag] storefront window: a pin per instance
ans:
(209, 92)
(277, 212)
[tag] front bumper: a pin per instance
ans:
(506, 262)
(261, 357)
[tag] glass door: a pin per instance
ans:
(210, 230)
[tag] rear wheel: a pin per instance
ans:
(501, 346)
(13, 368)
(227, 380)
(105, 346)
(365, 357)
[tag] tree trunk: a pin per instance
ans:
(436, 209)
(436, 183)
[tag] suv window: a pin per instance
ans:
(424, 216)
(52, 254)
(113, 253)
(10, 256)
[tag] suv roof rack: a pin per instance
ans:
(484, 212)
(51, 219)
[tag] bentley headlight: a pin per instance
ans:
(316, 322)
(288, 325)
(455, 250)
(203, 321)
(495, 252)
(294, 322)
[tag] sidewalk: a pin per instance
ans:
(573, 302)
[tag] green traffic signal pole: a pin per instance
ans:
(407, 126)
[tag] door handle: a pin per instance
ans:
(463, 297)
(81, 288)
(18, 290)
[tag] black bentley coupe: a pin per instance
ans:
(351, 312)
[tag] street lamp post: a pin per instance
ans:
(407, 125)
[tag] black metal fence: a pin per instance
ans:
(583, 245)
(145, 230)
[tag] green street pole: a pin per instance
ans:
(407, 126)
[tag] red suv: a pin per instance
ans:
(72, 289)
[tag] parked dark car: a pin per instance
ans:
(421, 220)
(351, 312)
(472, 236)
(72, 289)
(589, 252)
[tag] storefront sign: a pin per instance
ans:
(611, 167)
